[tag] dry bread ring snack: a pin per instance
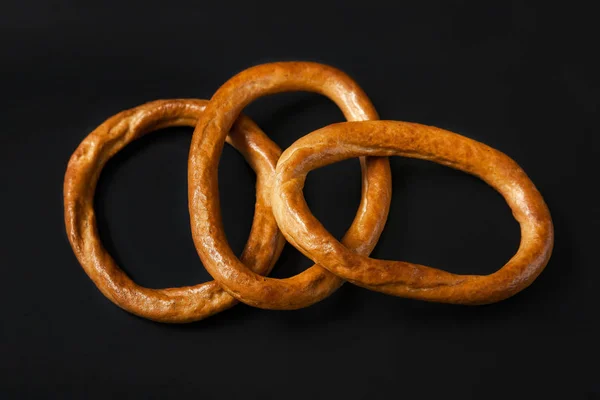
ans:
(184, 304)
(387, 138)
(227, 103)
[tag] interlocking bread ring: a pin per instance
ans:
(182, 304)
(279, 200)
(386, 138)
(315, 283)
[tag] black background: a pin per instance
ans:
(517, 76)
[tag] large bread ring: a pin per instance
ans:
(387, 138)
(184, 304)
(315, 283)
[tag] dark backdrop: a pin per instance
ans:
(516, 76)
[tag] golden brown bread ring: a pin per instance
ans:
(387, 138)
(184, 304)
(315, 283)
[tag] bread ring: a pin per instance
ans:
(315, 283)
(184, 304)
(387, 138)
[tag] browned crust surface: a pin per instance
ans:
(184, 304)
(388, 138)
(241, 282)
(279, 190)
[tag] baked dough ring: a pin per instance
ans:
(387, 138)
(184, 304)
(315, 283)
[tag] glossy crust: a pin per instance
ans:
(183, 304)
(387, 138)
(316, 282)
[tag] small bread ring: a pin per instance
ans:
(184, 304)
(387, 138)
(315, 283)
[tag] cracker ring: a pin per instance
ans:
(315, 283)
(387, 138)
(183, 304)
